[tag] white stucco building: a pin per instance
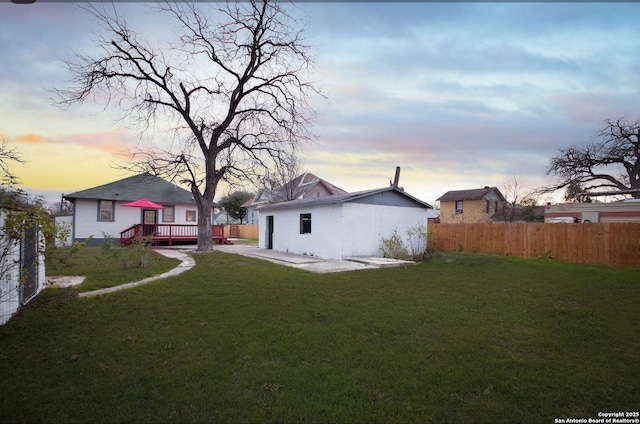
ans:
(340, 226)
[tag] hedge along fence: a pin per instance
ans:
(612, 244)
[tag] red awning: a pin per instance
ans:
(143, 203)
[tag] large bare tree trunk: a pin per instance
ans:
(247, 105)
(205, 238)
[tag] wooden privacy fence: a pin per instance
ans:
(612, 244)
(246, 231)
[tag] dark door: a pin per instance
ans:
(270, 232)
(149, 217)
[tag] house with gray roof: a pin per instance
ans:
(341, 225)
(98, 211)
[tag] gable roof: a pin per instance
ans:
(343, 198)
(145, 186)
(301, 187)
(473, 194)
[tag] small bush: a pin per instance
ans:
(134, 256)
(63, 256)
(420, 246)
(393, 247)
(418, 240)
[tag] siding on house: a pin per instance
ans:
(87, 224)
(147, 186)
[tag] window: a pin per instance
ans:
(496, 206)
(458, 206)
(168, 214)
(105, 210)
(191, 216)
(488, 206)
(305, 223)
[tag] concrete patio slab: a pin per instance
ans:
(312, 263)
(380, 262)
(65, 280)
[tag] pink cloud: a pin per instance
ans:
(109, 142)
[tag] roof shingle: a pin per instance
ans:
(145, 186)
(472, 194)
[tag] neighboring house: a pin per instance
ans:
(625, 211)
(470, 206)
(342, 225)
(509, 214)
(304, 186)
(98, 211)
(22, 269)
(220, 216)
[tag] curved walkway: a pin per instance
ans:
(186, 264)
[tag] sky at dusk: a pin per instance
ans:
(459, 95)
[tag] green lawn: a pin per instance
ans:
(464, 338)
(118, 265)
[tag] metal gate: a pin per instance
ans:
(29, 265)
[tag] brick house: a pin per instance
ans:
(470, 206)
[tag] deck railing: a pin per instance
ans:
(169, 233)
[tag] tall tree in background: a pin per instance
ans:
(611, 161)
(281, 183)
(232, 203)
(233, 88)
(518, 197)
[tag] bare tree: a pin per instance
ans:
(611, 161)
(517, 198)
(8, 154)
(281, 181)
(233, 87)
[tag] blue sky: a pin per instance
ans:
(460, 95)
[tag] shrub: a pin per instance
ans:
(134, 256)
(393, 247)
(418, 241)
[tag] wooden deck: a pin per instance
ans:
(170, 233)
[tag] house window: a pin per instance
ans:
(458, 206)
(191, 216)
(496, 206)
(305, 223)
(488, 206)
(168, 214)
(105, 210)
